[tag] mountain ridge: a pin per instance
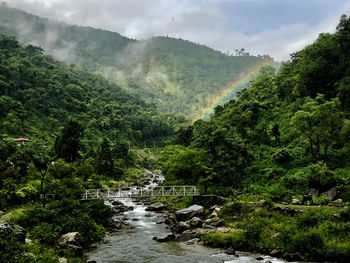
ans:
(177, 75)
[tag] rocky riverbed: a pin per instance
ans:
(147, 232)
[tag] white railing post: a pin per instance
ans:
(97, 193)
(86, 192)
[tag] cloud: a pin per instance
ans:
(270, 27)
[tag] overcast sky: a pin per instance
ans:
(274, 27)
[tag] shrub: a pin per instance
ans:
(46, 233)
(310, 242)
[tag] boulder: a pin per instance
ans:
(156, 207)
(126, 225)
(208, 227)
(296, 201)
(196, 222)
(193, 241)
(275, 253)
(259, 258)
(71, 238)
(148, 215)
(230, 251)
(160, 220)
(62, 260)
(164, 237)
(170, 219)
(331, 193)
(217, 223)
(188, 213)
(7, 231)
(117, 203)
(181, 226)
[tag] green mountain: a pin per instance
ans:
(38, 95)
(287, 133)
(177, 75)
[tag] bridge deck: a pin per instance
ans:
(129, 192)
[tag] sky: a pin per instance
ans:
(274, 27)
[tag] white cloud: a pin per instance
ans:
(197, 20)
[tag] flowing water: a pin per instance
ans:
(136, 245)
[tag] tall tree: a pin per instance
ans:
(105, 164)
(67, 145)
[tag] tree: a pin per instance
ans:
(320, 122)
(105, 161)
(67, 145)
(41, 162)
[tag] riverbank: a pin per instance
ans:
(291, 232)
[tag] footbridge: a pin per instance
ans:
(132, 192)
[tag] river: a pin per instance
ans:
(137, 246)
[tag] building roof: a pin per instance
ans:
(21, 140)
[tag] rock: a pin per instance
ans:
(126, 225)
(259, 258)
(117, 203)
(181, 226)
(230, 251)
(20, 233)
(28, 241)
(196, 222)
(295, 201)
(135, 219)
(336, 216)
(91, 261)
(164, 237)
(129, 208)
(338, 201)
(170, 219)
(160, 220)
(211, 209)
(9, 230)
(148, 215)
(217, 223)
(208, 227)
(223, 229)
(72, 238)
(292, 257)
(62, 260)
(193, 241)
(188, 213)
(331, 193)
(156, 207)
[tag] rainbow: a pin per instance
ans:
(229, 91)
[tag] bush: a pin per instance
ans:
(310, 219)
(46, 233)
(310, 242)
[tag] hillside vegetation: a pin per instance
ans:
(39, 95)
(176, 75)
(282, 138)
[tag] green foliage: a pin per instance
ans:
(60, 217)
(68, 144)
(46, 94)
(178, 76)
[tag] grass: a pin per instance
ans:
(13, 214)
(330, 209)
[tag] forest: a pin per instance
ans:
(176, 75)
(285, 136)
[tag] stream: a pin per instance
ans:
(137, 246)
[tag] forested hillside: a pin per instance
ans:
(283, 140)
(39, 95)
(286, 134)
(176, 75)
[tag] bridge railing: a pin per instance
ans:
(128, 192)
